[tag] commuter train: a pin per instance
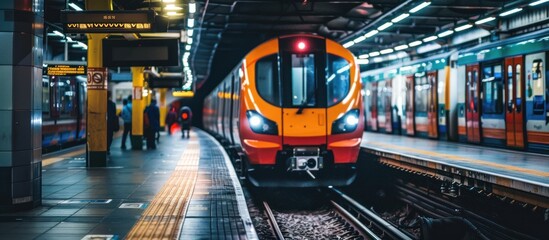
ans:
(495, 94)
(293, 106)
(63, 111)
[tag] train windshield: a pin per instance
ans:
(337, 78)
(303, 80)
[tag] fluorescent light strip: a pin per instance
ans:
(446, 33)
(362, 61)
(371, 33)
(419, 7)
(431, 38)
(401, 47)
(190, 32)
(348, 44)
(386, 51)
(385, 26)
(190, 22)
(378, 59)
(58, 33)
(466, 26)
(75, 7)
(359, 39)
(172, 7)
(488, 19)
(538, 2)
(192, 7)
(399, 18)
(415, 43)
(188, 47)
(374, 54)
(363, 56)
(189, 40)
(515, 10)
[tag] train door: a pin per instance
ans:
(432, 104)
(304, 112)
(472, 115)
(410, 105)
(492, 104)
(514, 114)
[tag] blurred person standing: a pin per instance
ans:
(152, 113)
(127, 117)
(171, 118)
(186, 119)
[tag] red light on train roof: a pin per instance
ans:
(301, 45)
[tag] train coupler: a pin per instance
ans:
(306, 159)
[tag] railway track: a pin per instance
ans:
(439, 208)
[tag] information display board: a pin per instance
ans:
(64, 70)
(107, 21)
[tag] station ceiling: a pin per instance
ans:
(225, 30)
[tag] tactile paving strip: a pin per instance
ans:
(163, 217)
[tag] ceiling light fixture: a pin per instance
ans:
(371, 33)
(538, 2)
(488, 19)
(401, 47)
(431, 38)
(190, 22)
(75, 7)
(446, 33)
(419, 7)
(385, 26)
(348, 44)
(359, 39)
(386, 51)
(192, 7)
(507, 13)
(415, 43)
(466, 26)
(363, 56)
(399, 18)
(374, 54)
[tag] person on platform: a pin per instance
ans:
(127, 117)
(112, 121)
(152, 113)
(185, 118)
(171, 118)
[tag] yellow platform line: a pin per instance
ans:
(163, 217)
(52, 160)
(464, 159)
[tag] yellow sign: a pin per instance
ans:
(107, 27)
(183, 94)
(65, 70)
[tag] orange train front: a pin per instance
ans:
(293, 106)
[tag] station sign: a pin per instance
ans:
(107, 21)
(97, 78)
(64, 70)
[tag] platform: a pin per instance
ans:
(458, 162)
(140, 195)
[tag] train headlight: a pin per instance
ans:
(260, 124)
(347, 123)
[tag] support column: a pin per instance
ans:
(97, 94)
(163, 108)
(138, 106)
(21, 35)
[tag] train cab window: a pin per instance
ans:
(492, 87)
(337, 78)
(303, 80)
(267, 80)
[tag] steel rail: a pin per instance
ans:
(272, 220)
(387, 228)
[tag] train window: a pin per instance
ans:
(64, 97)
(45, 98)
(422, 88)
(337, 78)
(510, 88)
(492, 87)
(303, 80)
(267, 80)
(535, 87)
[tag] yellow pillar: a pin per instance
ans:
(163, 107)
(97, 94)
(138, 106)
